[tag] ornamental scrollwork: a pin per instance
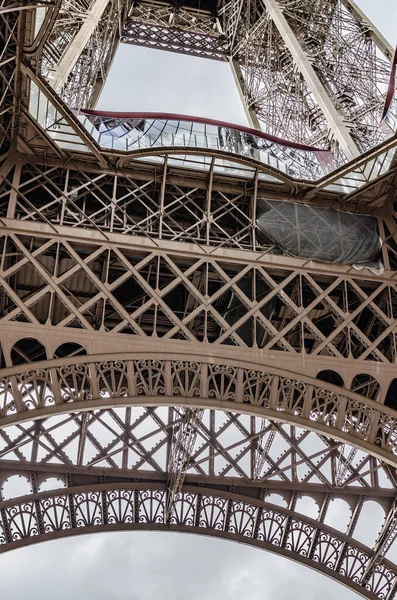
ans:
(222, 382)
(327, 550)
(3, 539)
(186, 379)
(382, 581)
(354, 564)
(242, 518)
(291, 396)
(22, 521)
(324, 408)
(35, 389)
(7, 402)
(87, 507)
(386, 436)
(120, 506)
(358, 418)
(55, 513)
(75, 382)
(151, 506)
(299, 537)
(213, 513)
(150, 377)
(112, 378)
(271, 527)
(184, 509)
(257, 388)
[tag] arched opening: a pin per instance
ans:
(27, 350)
(277, 500)
(366, 385)
(331, 377)
(369, 523)
(69, 349)
(51, 483)
(338, 514)
(15, 486)
(391, 395)
(306, 505)
(158, 564)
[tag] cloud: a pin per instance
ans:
(156, 565)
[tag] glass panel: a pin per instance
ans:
(150, 132)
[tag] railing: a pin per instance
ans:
(45, 391)
(131, 132)
(147, 134)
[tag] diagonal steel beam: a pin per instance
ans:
(182, 447)
(73, 51)
(335, 120)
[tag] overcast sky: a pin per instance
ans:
(152, 80)
(148, 566)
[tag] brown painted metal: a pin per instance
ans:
(163, 368)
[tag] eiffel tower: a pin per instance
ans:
(198, 319)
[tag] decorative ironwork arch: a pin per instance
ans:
(92, 382)
(142, 506)
(174, 202)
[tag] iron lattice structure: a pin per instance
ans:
(308, 71)
(161, 366)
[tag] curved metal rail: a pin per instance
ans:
(92, 383)
(140, 506)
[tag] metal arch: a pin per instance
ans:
(27, 390)
(90, 383)
(142, 506)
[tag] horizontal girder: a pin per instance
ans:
(115, 284)
(184, 29)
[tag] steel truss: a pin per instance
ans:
(321, 62)
(174, 28)
(176, 292)
(193, 424)
(324, 63)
